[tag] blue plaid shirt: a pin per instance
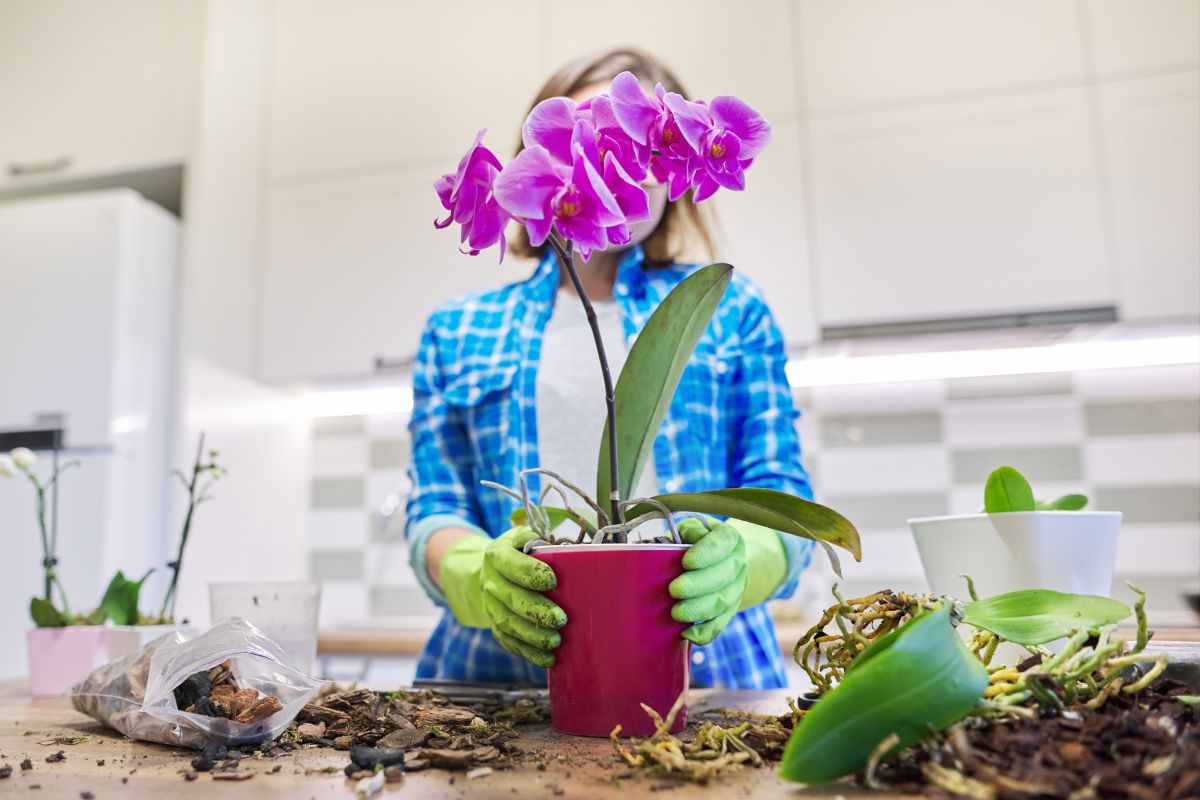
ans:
(731, 423)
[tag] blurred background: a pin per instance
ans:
(978, 225)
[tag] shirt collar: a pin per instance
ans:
(544, 281)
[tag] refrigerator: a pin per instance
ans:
(88, 331)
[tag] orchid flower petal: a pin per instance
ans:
(635, 112)
(526, 185)
(550, 124)
(735, 115)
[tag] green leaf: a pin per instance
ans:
(1007, 490)
(918, 678)
(1068, 502)
(652, 371)
(771, 509)
(1037, 616)
(557, 516)
(44, 614)
(1188, 699)
(120, 601)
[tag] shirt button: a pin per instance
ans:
(697, 657)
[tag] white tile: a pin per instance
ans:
(1155, 383)
(387, 565)
(343, 603)
(888, 556)
(754, 44)
(1134, 34)
(1013, 421)
(387, 426)
(1159, 549)
(955, 210)
(1143, 460)
(858, 52)
(879, 397)
(1152, 154)
(909, 468)
(349, 80)
(336, 456)
(337, 528)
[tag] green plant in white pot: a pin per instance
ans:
(1019, 542)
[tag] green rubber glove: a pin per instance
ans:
(492, 583)
(732, 567)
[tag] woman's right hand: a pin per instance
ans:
(492, 583)
(524, 620)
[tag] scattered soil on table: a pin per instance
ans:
(1144, 746)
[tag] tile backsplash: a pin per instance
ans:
(880, 454)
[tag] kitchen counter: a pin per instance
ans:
(577, 767)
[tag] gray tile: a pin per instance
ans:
(1009, 386)
(1156, 416)
(336, 565)
(1163, 593)
(886, 511)
(387, 530)
(1035, 463)
(1150, 503)
(339, 426)
(390, 453)
(881, 429)
(398, 601)
(337, 492)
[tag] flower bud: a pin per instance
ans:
(23, 457)
(7, 467)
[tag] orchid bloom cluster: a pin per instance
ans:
(583, 166)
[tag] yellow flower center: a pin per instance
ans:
(716, 150)
(668, 135)
(567, 209)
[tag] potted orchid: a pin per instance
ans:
(577, 186)
(64, 646)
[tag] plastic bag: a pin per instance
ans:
(136, 695)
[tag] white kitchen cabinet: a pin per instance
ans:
(763, 232)
(1152, 152)
(973, 208)
(862, 53)
(711, 48)
(93, 88)
(352, 268)
(371, 85)
(1129, 35)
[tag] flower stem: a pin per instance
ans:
(168, 605)
(563, 249)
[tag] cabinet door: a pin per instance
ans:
(385, 84)
(352, 268)
(973, 208)
(1152, 151)
(89, 88)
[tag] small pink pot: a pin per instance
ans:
(620, 647)
(61, 657)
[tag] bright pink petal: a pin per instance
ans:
(735, 115)
(549, 124)
(635, 112)
(526, 185)
(631, 197)
(692, 119)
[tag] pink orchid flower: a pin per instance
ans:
(726, 136)
(469, 196)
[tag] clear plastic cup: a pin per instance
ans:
(286, 611)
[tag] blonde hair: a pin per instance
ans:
(684, 226)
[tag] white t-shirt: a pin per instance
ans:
(570, 396)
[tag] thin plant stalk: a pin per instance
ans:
(563, 250)
(49, 560)
(168, 604)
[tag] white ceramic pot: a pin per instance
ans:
(1069, 551)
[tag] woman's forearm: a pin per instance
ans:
(439, 543)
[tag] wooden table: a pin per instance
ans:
(578, 767)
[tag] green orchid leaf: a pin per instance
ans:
(918, 678)
(1037, 616)
(120, 601)
(1068, 502)
(1007, 490)
(44, 614)
(557, 516)
(771, 509)
(652, 371)
(1188, 699)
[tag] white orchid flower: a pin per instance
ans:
(7, 466)
(23, 457)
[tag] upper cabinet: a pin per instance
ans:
(93, 88)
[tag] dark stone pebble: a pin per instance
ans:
(367, 757)
(202, 764)
(191, 776)
(5, 771)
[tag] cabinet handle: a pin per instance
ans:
(383, 364)
(16, 169)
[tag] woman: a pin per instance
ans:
(507, 380)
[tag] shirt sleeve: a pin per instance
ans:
(441, 469)
(765, 448)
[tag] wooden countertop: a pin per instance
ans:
(579, 767)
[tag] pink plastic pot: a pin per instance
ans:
(620, 647)
(60, 657)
